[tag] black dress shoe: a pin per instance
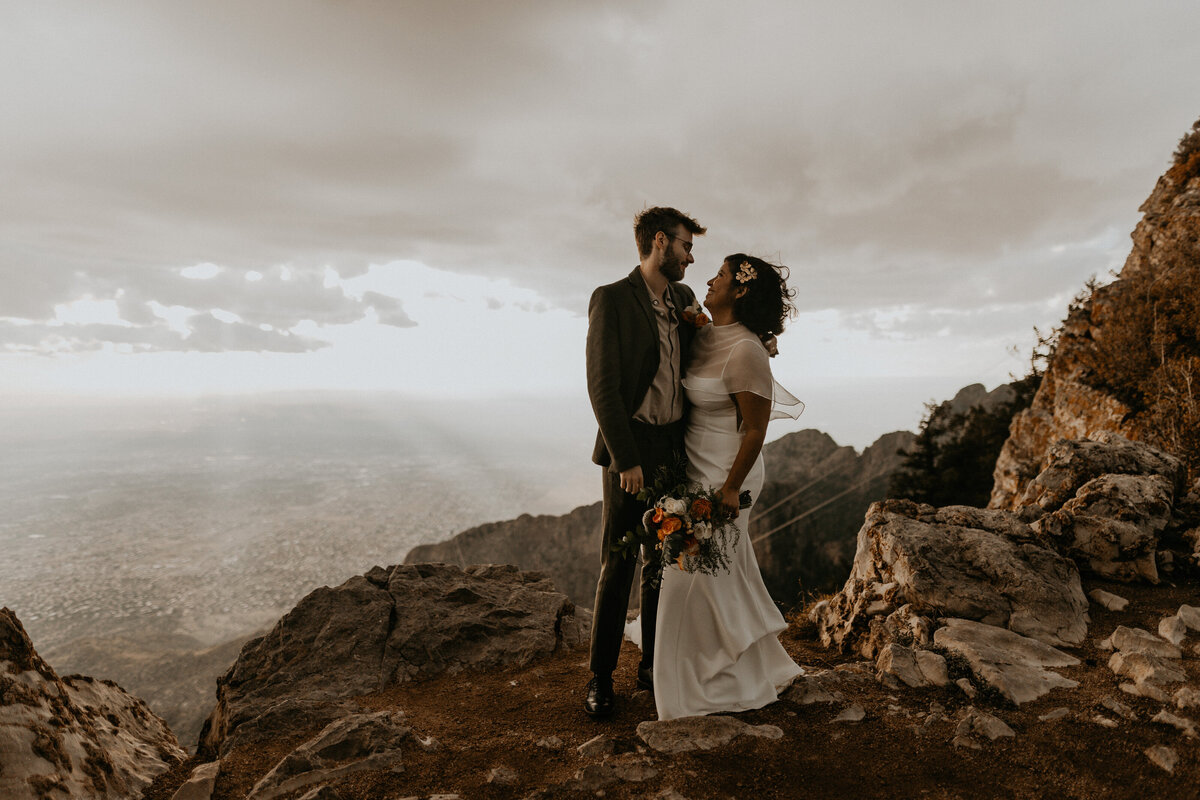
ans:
(600, 700)
(645, 678)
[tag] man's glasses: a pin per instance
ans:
(687, 246)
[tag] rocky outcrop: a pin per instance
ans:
(1070, 464)
(1106, 504)
(954, 562)
(385, 627)
(809, 509)
(805, 522)
(566, 548)
(1103, 338)
(955, 578)
(74, 736)
(175, 677)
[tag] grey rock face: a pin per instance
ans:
(1112, 525)
(388, 626)
(960, 562)
(1071, 463)
(76, 736)
(1014, 665)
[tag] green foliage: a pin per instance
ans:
(1148, 355)
(1188, 151)
(953, 457)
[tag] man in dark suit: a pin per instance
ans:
(637, 348)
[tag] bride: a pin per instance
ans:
(718, 646)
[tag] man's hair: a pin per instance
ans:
(660, 218)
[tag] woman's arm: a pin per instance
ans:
(755, 413)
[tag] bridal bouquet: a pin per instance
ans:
(687, 525)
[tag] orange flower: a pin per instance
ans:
(658, 516)
(701, 320)
(670, 525)
(701, 508)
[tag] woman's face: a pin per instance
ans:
(722, 290)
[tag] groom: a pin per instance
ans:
(636, 353)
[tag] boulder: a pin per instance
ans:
(385, 627)
(1111, 526)
(75, 736)
(898, 665)
(1072, 463)
(699, 733)
(1143, 668)
(1014, 665)
(957, 562)
(1136, 640)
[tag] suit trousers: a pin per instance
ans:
(658, 445)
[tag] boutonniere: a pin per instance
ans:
(694, 316)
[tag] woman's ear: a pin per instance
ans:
(740, 292)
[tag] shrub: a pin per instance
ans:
(954, 455)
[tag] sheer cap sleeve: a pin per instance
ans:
(730, 359)
(748, 369)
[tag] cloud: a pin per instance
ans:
(919, 156)
(206, 334)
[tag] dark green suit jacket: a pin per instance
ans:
(622, 360)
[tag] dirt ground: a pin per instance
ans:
(486, 720)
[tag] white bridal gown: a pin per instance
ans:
(717, 646)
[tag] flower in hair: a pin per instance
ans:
(745, 273)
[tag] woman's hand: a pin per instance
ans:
(729, 501)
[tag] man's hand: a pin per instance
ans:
(632, 480)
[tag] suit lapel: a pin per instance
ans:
(642, 297)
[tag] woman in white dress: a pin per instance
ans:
(718, 647)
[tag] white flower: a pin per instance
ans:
(746, 273)
(702, 531)
(673, 505)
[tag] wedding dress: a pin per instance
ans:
(717, 647)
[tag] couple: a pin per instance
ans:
(709, 643)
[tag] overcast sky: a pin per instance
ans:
(420, 197)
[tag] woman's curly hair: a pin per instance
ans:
(767, 301)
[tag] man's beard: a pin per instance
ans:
(672, 267)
